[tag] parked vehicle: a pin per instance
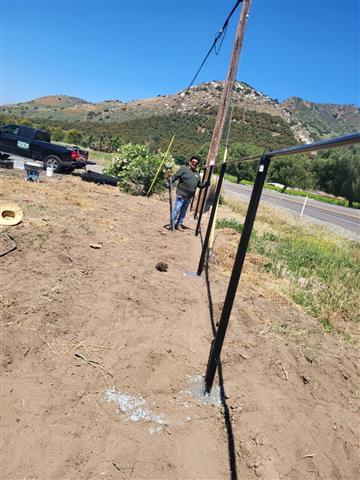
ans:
(35, 144)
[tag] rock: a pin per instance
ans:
(161, 267)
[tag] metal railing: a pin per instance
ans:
(217, 343)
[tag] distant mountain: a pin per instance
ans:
(307, 121)
(324, 119)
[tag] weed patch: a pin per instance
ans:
(323, 271)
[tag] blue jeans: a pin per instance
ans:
(180, 209)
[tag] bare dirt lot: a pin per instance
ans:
(99, 348)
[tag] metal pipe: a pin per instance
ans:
(350, 139)
(322, 144)
(217, 344)
(211, 221)
(203, 200)
(199, 196)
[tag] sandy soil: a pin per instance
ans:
(83, 328)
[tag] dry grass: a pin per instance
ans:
(316, 269)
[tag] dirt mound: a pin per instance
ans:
(100, 351)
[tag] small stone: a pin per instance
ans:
(259, 472)
(95, 246)
(305, 379)
(162, 267)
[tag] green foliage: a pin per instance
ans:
(136, 167)
(338, 172)
(230, 223)
(298, 193)
(243, 170)
(323, 273)
(74, 136)
(292, 172)
(58, 134)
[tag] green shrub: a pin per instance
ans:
(136, 167)
(230, 223)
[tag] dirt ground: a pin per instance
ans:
(99, 349)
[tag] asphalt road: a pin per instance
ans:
(333, 215)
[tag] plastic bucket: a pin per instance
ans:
(49, 171)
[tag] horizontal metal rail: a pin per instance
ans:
(350, 139)
(321, 145)
(217, 344)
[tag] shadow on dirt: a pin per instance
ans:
(227, 418)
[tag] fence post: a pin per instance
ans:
(218, 341)
(211, 220)
(202, 205)
(171, 205)
(303, 207)
(198, 199)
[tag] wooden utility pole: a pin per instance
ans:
(226, 96)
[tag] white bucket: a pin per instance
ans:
(49, 171)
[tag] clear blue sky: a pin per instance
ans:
(135, 49)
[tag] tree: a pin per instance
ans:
(294, 171)
(57, 134)
(338, 173)
(74, 136)
(136, 166)
(243, 170)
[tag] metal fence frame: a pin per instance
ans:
(217, 343)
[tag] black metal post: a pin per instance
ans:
(211, 220)
(198, 199)
(202, 206)
(192, 202)
(217, 344)
(193, 198)
(171, 204)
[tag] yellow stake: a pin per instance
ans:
(161, 164)
(212, 233)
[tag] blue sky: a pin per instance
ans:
(100, 50)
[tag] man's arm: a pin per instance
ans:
(178, 174)
(204, 184)
(174, 177)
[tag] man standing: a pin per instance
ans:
(189, 180)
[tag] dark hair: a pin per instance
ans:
(193, 157)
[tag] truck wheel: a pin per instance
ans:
(53, 162)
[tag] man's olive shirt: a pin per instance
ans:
(188, 181)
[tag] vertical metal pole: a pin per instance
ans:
(216, 347)
(203, 200)
(192, 202)
(211, 220)
(171, 204)
(198, 199)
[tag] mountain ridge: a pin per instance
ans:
(307, 120)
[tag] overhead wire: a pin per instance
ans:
(217, 38)
(220, 34)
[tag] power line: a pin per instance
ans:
(213, 46)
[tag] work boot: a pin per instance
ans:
(179, 228)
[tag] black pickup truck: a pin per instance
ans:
(35, 144)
